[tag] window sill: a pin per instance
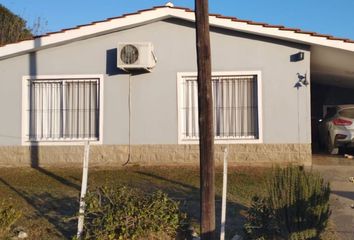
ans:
(245, 140)
(67, 142)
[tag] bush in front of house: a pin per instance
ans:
(295, 206)
(125, 213)
(8, 216)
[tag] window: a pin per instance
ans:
(236, 106)
(63, 109)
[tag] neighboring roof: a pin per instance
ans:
(163, 12)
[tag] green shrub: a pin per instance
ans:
(8, 216)
(260, 220)
(295, 206)
(125, 213)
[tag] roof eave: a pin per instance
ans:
(83, 32)
(159, 13)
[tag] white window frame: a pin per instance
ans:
(180, 80)
(25, 105)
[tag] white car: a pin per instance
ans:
(337, 128)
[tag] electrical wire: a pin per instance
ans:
(129, 121)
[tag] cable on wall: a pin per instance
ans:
(298, 121)
(129, 121)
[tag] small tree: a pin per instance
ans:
(12, 27)
(296, 206)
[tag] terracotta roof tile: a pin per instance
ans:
(305, 32)
(289, 29)
(273, 26)
(224, 17)
(337, 38)
(181, 8)
(243, 21)
(322, 35)
(68, 29)
(257, 23)
(84, 25)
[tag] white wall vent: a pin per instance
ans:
(136, 55)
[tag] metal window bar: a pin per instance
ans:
(61, 110)
(235, 107)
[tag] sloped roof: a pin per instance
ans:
(163, 12)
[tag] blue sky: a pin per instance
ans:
(333, 17)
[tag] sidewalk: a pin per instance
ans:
(337, 171)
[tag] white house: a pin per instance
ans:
(128, 85)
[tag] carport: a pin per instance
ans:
(332, 82)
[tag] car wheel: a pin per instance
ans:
(330, 146)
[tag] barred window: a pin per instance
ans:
(235, 107)
(63, 109)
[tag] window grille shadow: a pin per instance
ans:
(34, 149)
(35, 165)
(58, 178)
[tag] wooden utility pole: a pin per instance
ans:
(206, 127)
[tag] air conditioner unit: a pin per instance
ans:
(136, 55)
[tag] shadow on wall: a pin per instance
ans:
(34, 148)
(111, 63)
(33, 72)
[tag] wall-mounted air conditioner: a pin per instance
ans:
(135, 55)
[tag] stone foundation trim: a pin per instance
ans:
(117, 155)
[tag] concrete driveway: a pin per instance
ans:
(337, 170)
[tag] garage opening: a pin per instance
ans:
(324, 98)
(332, 84)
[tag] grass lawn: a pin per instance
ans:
(48, 198)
